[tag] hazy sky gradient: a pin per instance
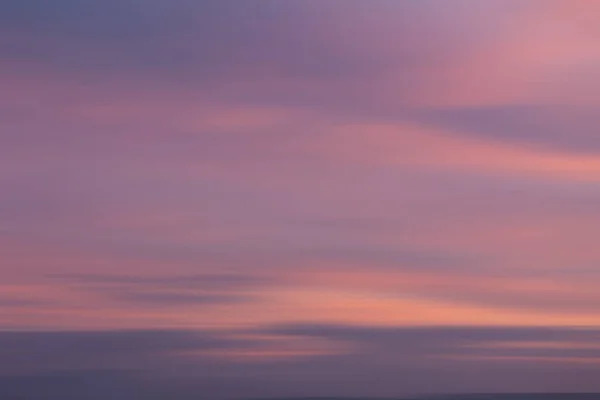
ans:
(304, 196)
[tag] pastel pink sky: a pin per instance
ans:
(256, 169)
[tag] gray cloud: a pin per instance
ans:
(402, 360)
(169, 291)
(27, 352)
(8, 302)
(207, 280)
(543, 126)
(269, 51)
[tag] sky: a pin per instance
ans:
(259, 198)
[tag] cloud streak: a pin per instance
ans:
(227, 167)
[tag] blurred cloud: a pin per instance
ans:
(569, 129)
(422, 359)
(169, 291)
(227, 166)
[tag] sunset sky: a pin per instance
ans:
(247, 198)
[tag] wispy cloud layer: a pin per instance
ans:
(305, 360)
(236, 165)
